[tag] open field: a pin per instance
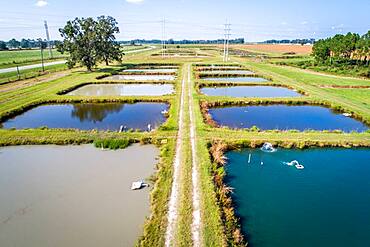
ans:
(195, 178)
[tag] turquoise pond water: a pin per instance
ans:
(325, 204)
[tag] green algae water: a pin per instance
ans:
(325, 204)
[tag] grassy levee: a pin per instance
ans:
(183, 232)
(212, 224)
(156, 224)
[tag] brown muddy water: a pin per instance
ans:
(73, 195)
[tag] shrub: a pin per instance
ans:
(112, 143)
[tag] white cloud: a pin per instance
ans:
(41, 3)
(135, 1)
(304, 22)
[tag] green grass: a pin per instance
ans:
(308, 62)
(25, 57)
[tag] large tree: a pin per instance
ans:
(89, 42)
(80, 40)
(107, 47)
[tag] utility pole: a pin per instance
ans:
(48, 38)
(164, 37)
(42, 54)
(227, 34)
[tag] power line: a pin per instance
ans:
(227, 34)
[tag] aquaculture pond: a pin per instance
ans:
(250, 91)
(234, 72)
(142, 77)
(102, 116)
(73, 195)
(285, 117)
(324, 204)
(157, 70)
(235, 79)
(220, 67)
(124, 90)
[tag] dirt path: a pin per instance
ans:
(30, 82)
(195, 227)
(174, 196)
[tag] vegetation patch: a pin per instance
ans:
(231, 223)
(112, 143)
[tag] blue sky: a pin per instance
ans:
(254, 20)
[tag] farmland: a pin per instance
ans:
(219, 225)
(276, 49)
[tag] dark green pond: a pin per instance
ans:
(102, 116)
(325, 204)
(250, 91)
(285, 117)
(235, 79)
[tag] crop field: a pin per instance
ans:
(191, 144)
(276, 48)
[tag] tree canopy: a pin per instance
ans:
(90, 41)
(351, 46)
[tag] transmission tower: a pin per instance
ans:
(164, 37)
(48, 38)
(227, 34)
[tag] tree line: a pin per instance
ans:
(350, 48)
(288, 41)
(24, 44)
(182, 42)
